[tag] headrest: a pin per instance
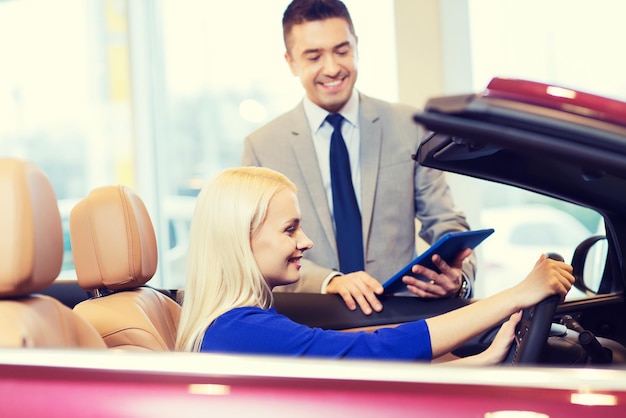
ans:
(113, 240)
(31, 236)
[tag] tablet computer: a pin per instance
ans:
(447, 247)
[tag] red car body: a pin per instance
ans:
(111, 384)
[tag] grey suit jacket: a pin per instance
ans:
(395, 190)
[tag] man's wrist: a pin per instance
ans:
(465, 292)
(327, 280)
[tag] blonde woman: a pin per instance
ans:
(246, 239)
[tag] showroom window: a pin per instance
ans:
(158, 95)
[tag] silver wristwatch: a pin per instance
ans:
(465, 292)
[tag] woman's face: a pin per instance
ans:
(279, 243)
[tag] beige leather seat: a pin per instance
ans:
(115, 255)
(31, 254)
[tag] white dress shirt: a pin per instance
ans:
(322, 131)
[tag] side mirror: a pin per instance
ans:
(588, 262)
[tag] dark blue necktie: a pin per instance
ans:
(345, 207)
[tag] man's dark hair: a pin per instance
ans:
(300, 11)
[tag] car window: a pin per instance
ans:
(68, 259)
(526, 225)
(172, 234)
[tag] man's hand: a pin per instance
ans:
(439, 285)
(357, 288)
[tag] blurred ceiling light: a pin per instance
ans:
(252, 111)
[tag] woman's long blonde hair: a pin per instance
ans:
(222, 272)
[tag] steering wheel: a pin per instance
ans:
(531, 333)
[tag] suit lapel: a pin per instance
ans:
(306, 157)
(371, 142)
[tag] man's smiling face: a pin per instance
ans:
(323, 54)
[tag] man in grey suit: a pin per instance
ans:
(391, 189)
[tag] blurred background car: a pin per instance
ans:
(521, 233)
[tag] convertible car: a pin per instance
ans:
(568, 359)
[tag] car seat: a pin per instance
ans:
(115, 255)
(31, 254)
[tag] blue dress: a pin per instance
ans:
(252, 330)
